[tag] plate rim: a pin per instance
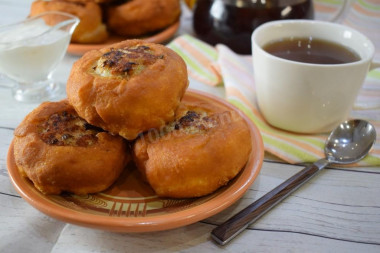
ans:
(153, 223)
(165, 34)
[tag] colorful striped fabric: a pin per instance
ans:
(220, 65)
(200, 59)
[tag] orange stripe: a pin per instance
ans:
(238, 66)
(194, 51)
(216, 68)
(242, 72)
(235, 92)
(201, 79)
(357, 21)
(324, 8)
(354, 22)
(281, 155)
(374, 2)
(204, 61)
(367, 12)
(316, 151)
(285, 158)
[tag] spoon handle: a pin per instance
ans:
(236, 224)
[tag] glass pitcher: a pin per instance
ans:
(30, 50)
(231, 22)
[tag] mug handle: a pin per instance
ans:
(374, 65)
(342, 12)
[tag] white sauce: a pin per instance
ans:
(29, 52)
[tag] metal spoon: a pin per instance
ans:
(348, 143)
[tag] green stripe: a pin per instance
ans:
(191, 63)
(369, 6)
(374, 74)
(249, 113)
(371, 160)
(332, 2)
(296, 152)
(315, 142)
(301, 155)
(210, 51)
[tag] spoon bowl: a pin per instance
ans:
(348, 143)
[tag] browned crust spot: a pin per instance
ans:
(67, 129)
(193, 122)
(126, 62)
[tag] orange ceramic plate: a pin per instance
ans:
(130, 205)
(162, 36)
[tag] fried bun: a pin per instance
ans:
(58, 151)
(139, 17)
(90, 29)
(202, 150)
(129, 87)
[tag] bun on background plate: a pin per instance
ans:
(90, 29)
(140, 17)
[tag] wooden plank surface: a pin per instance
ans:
(336, 210)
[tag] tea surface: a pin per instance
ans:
(311, 50)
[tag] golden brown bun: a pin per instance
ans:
(201, 151)
(129, 87)
(84, 1)
(90, 28)
(139, 17)
(58, 151)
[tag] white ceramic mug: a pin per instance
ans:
(303, 97)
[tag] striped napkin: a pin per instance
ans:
(221, 66)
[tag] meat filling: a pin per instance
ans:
(67, 129)
(125, 62)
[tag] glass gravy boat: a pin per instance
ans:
(30, 51)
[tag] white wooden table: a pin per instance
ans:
(337, 211)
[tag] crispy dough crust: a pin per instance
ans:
(77, 169)
(90, 28)
(186, 164)
(139, 17)
(85, 1)
(128, 106)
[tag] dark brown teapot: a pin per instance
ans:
(231, 22)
